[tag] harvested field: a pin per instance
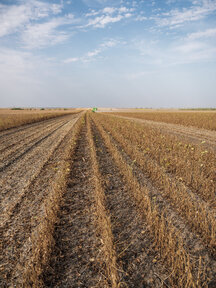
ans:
(14, 118)
(32, 164)
(193, 134)
(95, 200)
(205, 120)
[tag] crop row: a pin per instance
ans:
(195, 212)
(103, 219)
(168, 241)
(42, 240)
(192, 164)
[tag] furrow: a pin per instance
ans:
(35, 160)
(169, 242)
(23, 127)
(77, 258)
(11, 159)
(134, 244)
(15, 143)
(29, 130)
(27, 239)
(191, 241)
(197, 213)
(103, 218)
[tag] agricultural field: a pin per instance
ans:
(201, 119)
(15, 117)
(109, 200)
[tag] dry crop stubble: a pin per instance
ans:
(31, 254)
(103, 219)
(198, 213)
(77, 259)
(206, 120)
(10, 119)
(24, 166)
(192, 164)
(117, 214)
(133, 242)
(167, 239)
(42, 239)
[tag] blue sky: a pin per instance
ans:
(74, 53)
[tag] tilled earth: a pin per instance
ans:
(76, 259)
(29, 164)
(30, 159)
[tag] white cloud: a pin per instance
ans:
(109, 43)
(26, 19)
(14, 17)
(41, 35)
(102, 21)
(209, 33)
(177, 53)
(71, 60)
(108, 15)
(91, 55)
(109, 10)
(141, 18)
(197, 11)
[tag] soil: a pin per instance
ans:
(25, 182)
(30, 159)
(76, 259)
(192, 241)
(134, 245)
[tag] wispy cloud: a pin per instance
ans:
(107, 16)
(71, 60)
(15, 17)
(176, 53)
(209, 33)
(91, 55)
(38, 24)
(102, 21)
(193, 52)
(177, 17)
(46, 34)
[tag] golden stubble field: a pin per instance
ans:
(15, 117)
(109, 200)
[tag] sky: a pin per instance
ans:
(100, 53)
